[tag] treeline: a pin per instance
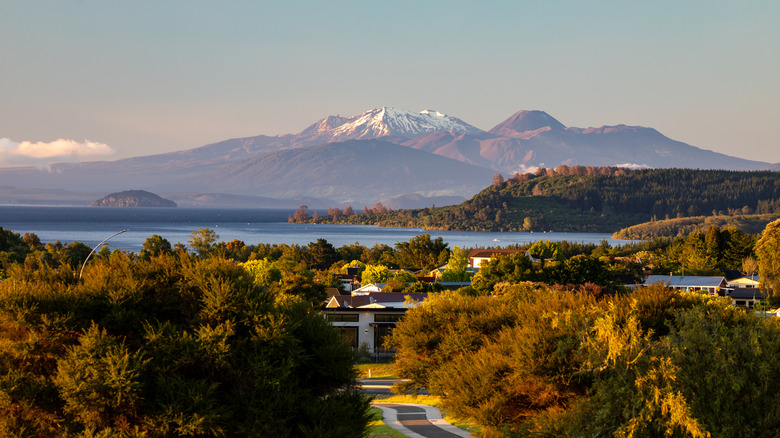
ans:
(309, 269)
(529, 361)
(593, 199)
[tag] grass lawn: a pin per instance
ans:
(378, 370)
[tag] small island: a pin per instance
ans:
(133, 198)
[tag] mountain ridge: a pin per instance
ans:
(527, 140)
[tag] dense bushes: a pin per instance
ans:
(168, 345)
(532, 361)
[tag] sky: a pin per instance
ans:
(86, 80)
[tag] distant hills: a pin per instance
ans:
(382, 154)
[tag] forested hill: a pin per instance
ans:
(593, 199)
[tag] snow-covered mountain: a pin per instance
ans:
(384, 122)
(427, 153)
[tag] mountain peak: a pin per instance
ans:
(524, 121)
(383, 122)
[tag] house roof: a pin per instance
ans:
(747, 293)
(375, 300)
(487, 253)
(745, 280)
(685, 281)
(368, 288)
(732, 274)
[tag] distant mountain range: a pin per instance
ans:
(379, 155)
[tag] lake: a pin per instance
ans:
(91, 225)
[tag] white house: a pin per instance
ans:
(369, 319)
(710, 285)
(477, 256)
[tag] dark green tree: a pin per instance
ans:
(420, 252)
(321, 254)
(155, 246)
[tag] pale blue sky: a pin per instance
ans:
(154, 76)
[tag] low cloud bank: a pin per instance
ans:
(40, 153)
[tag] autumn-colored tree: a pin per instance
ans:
(768, 254)
(301, 214)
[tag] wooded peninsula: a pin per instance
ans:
(587, 199)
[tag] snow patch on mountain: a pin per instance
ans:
(386, 121)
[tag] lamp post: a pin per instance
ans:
(95, 249)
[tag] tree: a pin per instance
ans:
(457, 266)
(301, 284)
(263, 271)
(202, 241)
(375, 274)
(321, 254)
(546, 250)
(301, 214)
(421, 252)
(750, 266)
(513, 268)
(155, 246)
(100, 380)
(768, 254)
(582, 269)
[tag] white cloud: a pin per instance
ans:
(44, 153)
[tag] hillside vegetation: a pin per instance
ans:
(591, 199)
(750, 223)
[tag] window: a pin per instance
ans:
(381, 332)
(388, 318)
(342, 317)
(349, 335)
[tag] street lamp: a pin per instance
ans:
(95, 249)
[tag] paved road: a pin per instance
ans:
(376, 386)
(418, 421)
(380, 386)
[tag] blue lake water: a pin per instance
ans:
(91, 225)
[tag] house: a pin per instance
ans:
(736, 279)
(349, 282)
(477, 256)
(370, 287)
(710, 285)
(437, 272)
(367, 320)
(746, 297)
